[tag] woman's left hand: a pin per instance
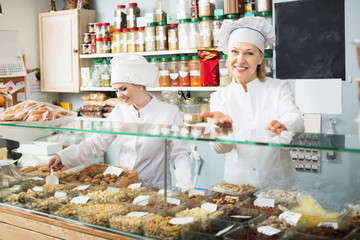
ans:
(276, 127)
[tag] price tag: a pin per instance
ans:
(175, 128)
(83, 187)
(38, 189)
(141, 200)
(233, 197)
(329, 224)
(264, 202)
(224, 230)
(38, 178)
(165, 131)
(290, 217)
(15, 188)
(211, 207)
(240, 216)
(161, 192)
(267, 230)
(136, 214)
(113, 170)
(196, 192)
(173, 200)
(182, 220)
(112, 189)
(59, 194)
(184, 132)
(134, 185)
(80, 199)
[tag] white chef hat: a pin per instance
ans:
(133, 68)
(254, 30)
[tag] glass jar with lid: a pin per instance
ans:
(105, 73)
(99, 45)
(194, 40)
(206, 8)
(155, 62)
(120, 17)
(183, 34)
(174, 72)
(192, 111)
(269, 63)
(164, 79)
(6, 99)
(173, 42)
(195, 72)
(176, 102)
(217, 25)
(106, 45)
(131, 40)
(184, 71)
(206, 32)
(105, 29)
(225, 78)
(150, 37)
(96, 73)
(161, 36)
(140, 40)
(132, 12)
(205, 107)
(160, 11)
(116, 41)
(124, 40)
(264, 5)
(98, 30)
(250, 6)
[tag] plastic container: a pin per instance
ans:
(106, 45)
(184, 71)
(155, 62)
(195, 72)
(140, 40)
(132, 12)
(194, 39)
(99, 46)
(161, 36)
(184, 33)
(131, 39)
(173, 42)
(105, 74)
(233, 189)
(206, 8)
(218, 20)
(225, 78)
(160, 11)
(98, 31)
(120, 17)
(269, 65)
(124, 40)
(164, 79)
(105, 28)
(264, 5)
(150, 37)
(116, 41)
(96, 73)
(174, 72)
(192, 112)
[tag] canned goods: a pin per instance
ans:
(91, 27)
(87, 38)
(86, 49)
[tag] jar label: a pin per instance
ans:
(188, 117)
(160, 38)
(105, 76)
(172, 40)
(164, 73)
(183, 73)
(195, 73)
(131, 42)
(224, 71)
(150, 38)
(174, 75)
(140, 41)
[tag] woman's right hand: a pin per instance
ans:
(55, 163)
(219, 119)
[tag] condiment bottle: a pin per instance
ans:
(119, 17)
(124, 39)
(173, 42)
(195, 72)
(116, 41)
(150, 37)
(161, 36)
(6, 99)
(131, 40)
(140, 40)
(184, 71)
(174, 72)
(132, 12)
(164, 80)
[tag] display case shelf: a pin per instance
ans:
(155, 89)
(146, 54)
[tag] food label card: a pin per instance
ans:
(83, 187)
(136, 214)
(264, 202)
(112, 189)
(182, 220)
(211, 207)
(59, 194)
(196, 192)
(142, 200)
(267, 230)
(113, 170)
(134, 185)
(80, 199)
(290, 217)
(173, 200)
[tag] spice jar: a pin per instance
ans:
(6, 99)
(132, 12)
(105, 27)
(183, 34)
(173, 37)
(98, 31)
(194, 40)
(105, 74)
(86, 48)
(164, 80)
(269, 63)
(131, 40)
(160, 13)
(91, 27)
(119, 17)
(93, 38)
(150, 37)
(99, 46)
(155, 62)
(234, 7)
(217, 25)
(96, 73)
(206, 8)
(184, 71)
(123, 41)
(87, 38)
(206, 29)
(225, 78)
(195, 72)
(192, 112)
(140, 40)
(264, 5)
(174, 72)
(116, 41)
(106, 45)
(161, 36)
(205, 107)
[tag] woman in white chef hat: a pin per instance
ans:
(253, 101)
(130, 76)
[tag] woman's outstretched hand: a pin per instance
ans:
(219, 119)
(55, 163)
(276, 127)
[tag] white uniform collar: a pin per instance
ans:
(148, 107)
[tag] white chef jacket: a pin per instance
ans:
(265, 101)
(143, 154)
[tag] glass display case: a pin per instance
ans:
(234, 205)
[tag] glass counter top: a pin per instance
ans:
(236, 135)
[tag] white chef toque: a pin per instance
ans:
(254, 30)
(133, 68)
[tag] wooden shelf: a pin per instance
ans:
(154, 53)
